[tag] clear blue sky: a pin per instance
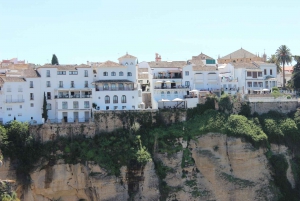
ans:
(77, 31)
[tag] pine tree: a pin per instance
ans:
(54, 60)
(45, 111)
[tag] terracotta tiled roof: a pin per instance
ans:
(244, 65)
(241, 53)
(110, 64)
(205, 68)
(13, 79)
(31, 73)
(167, 64)
(200, 56)
(127, 56)
(65, 67)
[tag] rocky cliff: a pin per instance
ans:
(211, 167)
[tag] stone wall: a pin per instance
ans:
(104, 121)
(264, 107)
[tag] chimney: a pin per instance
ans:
(157, 57)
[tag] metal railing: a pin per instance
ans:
(117, 89)
(175, 87)
(70, 120)
(167, 77)
(72, 96)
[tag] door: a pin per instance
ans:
(75, 116)
(86, 116)
(65, 116)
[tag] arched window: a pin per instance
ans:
(113, 86)
(107, 99)
(115, 99)
(105, 87)
(168, 94)
(126, 63)
(113, 73)
(105, 73)
(176, 94)
(123, 99)
(129, 74)
(121, 86)
(121, 73)
(162, 94)
(131, 63)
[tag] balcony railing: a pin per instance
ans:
(72, 96)
(175, 87)
(14, 100)
(167, 77)
(116, 89)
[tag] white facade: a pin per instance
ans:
(116, 86)
(68, 91)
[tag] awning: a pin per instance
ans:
(163, 100)
(178, 99)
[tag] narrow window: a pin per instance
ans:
(86, 73)
(123, 99)
(48, 73)
(31, 84)
(115, 99)
(107, 99)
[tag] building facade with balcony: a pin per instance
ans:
(17, 100)
(116, 86)
(68, 91)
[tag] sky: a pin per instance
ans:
(96, 30)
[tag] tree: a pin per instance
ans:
(274, 60)
(283, 56)
(54, 60)
(45, 111)
(295, 79)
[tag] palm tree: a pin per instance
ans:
(274, 60)
(283, 56)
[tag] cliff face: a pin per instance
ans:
(215, 167)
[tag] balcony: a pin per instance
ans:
(167, 77)
(72, 96)
(14, 101)
(175, 87)
(116, 89)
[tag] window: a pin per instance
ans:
(72, 84)
(48, 107)
(249, 84)
(115, 107)
(48, 73)
(162, 94)
(48, 84)
(86, 84)
(113, 86)
(105, 87)
(31, 96)
(20, 106)
(126, 63)
(176, 94)
(31, 84)
(254, 75)
(255, 84)
(105, 73)
(64, 105)
(107, 107)
(270, 71)
(265, 72)
(115, 99)
(113, 73)
(123, 99)
(107, 99)
(131, 63)
(75, 105)
(86, 73)
(124, 107)
(48, 95)
(259, 74)
(19, 114)
(86, 104)
(129, 74)
(61, 72)
(249, 74)
(61, 84)
(133, 107)
(31, 105)
(168, 94)
(121, 86)
(187, 73)
(187, 83)
(9, 108)
(260, 84)
(121, 73)
(73, 72)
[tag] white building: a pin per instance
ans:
(116, 86)
(248, 78)
(68, 91)
(19, 96)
